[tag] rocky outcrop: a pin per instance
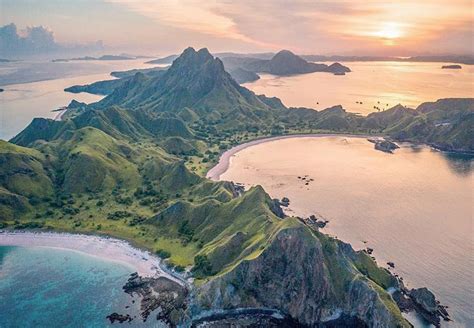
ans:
(275, 207)
(427, 306)
(285, 201)
(120, 318)
(423, 301)
(338, 69)
(166, 297)
(317, 285)
(384, 145)
(424, 298)
(451, 67)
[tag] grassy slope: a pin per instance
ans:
(98, 176)
(107, 171)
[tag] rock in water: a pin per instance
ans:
(161, 294)
(285, 201)
(384, 145)
(451, 67)
(427, 306)
(119, 317)
(424, 298)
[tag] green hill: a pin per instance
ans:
(446, 123)
(25, 178)
(128, 166)
(283, 63)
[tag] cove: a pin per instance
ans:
(413, 207)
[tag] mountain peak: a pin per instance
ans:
(285, 56)
(286, 62)
(191, 56)
(285, 53)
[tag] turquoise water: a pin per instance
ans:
(47, 287)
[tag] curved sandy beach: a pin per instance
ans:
(110, 249)
(224, 161)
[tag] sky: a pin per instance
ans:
(161, 27)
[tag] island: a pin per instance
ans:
(132, 166)
(451, 66)
(104, 57)
(242, 69)
(383, 145)
(283, 63)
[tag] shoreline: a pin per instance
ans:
(215, 172)
(416, 316)
(106, 248)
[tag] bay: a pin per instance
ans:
(413, 207)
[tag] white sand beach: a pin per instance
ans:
(110, 249)
(224, 161)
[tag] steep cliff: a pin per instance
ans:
(308, 276)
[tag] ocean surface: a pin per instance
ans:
(414, 207)
(50, 287)
(379, 84)
(24, 100)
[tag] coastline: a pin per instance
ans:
(415, 314)
(215, 172)
(109, 249)
(222, 165)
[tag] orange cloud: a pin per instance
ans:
(310, 26)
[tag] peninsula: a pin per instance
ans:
(132, 166)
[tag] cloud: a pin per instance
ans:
(400, 27)
(313, 26)
(34, 40)
(192, 15)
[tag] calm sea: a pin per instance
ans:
(379, 84)
(21, 102)
(414, 207)
(48, 287)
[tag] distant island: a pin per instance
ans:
(242, 69)
(283, 63)
(460, 59)
(104, 57)
(451, 67)
(133, 166)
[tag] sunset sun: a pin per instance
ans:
(389, 32)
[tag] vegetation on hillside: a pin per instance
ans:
(132, 166)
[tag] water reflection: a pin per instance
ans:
(413, 207)
(460, 164)
(380, 84)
